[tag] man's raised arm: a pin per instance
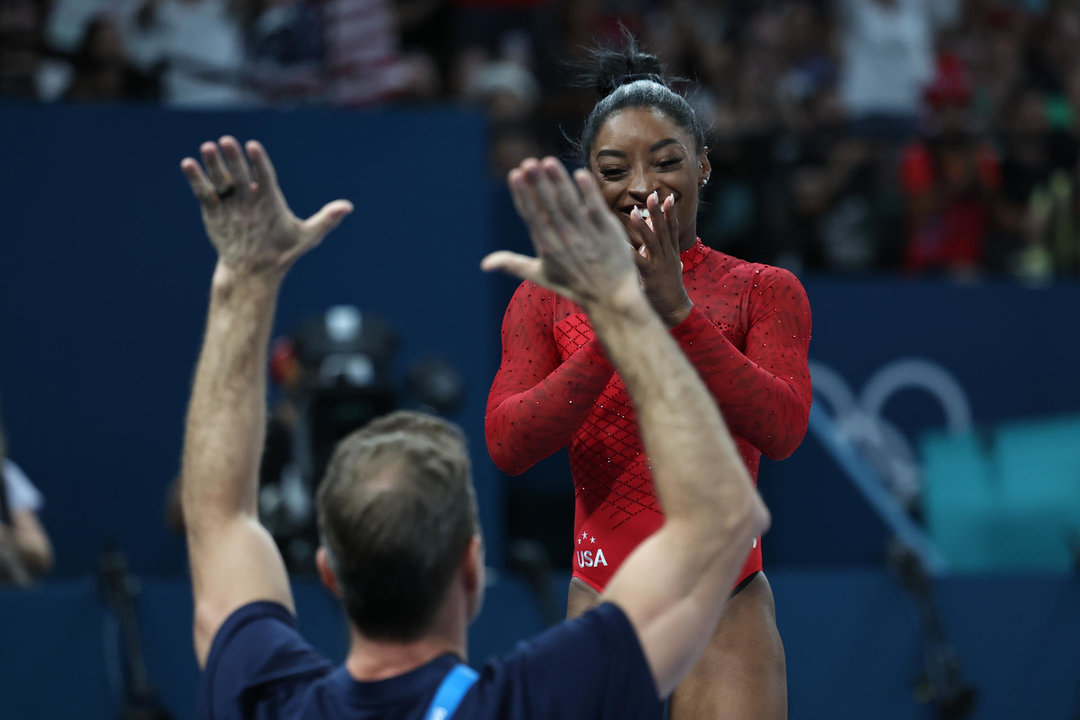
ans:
(233, 559)
(674, 586)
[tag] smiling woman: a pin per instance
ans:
(744, 326)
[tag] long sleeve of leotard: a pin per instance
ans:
(538, 401)
(764, 392)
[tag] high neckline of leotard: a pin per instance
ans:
(692, 256)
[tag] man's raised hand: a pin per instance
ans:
(246, 216)
(582, 250)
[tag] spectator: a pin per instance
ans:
(101, 68)
(514, 31)
(423, 24)
(1035, 215)
(364, 63)
(25, 550)
(834, 192)
(1055, 48)
(888, 50)
(22, 27)
(285, 52)
(950, 178)
(810, 69)
(991, 46)
(200, 44)
(510, 95)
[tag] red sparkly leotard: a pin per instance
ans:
(747, 335)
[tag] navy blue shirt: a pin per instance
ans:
(261, 668)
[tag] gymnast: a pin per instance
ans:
(744, 326)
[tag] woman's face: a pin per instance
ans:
(640, 150)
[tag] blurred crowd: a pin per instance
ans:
(850, 136)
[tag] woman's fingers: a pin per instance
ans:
(660, 213)
(637, 231)
(671, 221)
(654, 246)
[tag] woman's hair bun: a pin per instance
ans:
(615, 73)
(610, 67)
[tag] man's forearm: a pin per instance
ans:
(226, 420)
(694, 462)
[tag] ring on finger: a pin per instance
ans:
(226, 192)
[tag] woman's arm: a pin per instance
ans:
(764, 392)
(538, 401)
